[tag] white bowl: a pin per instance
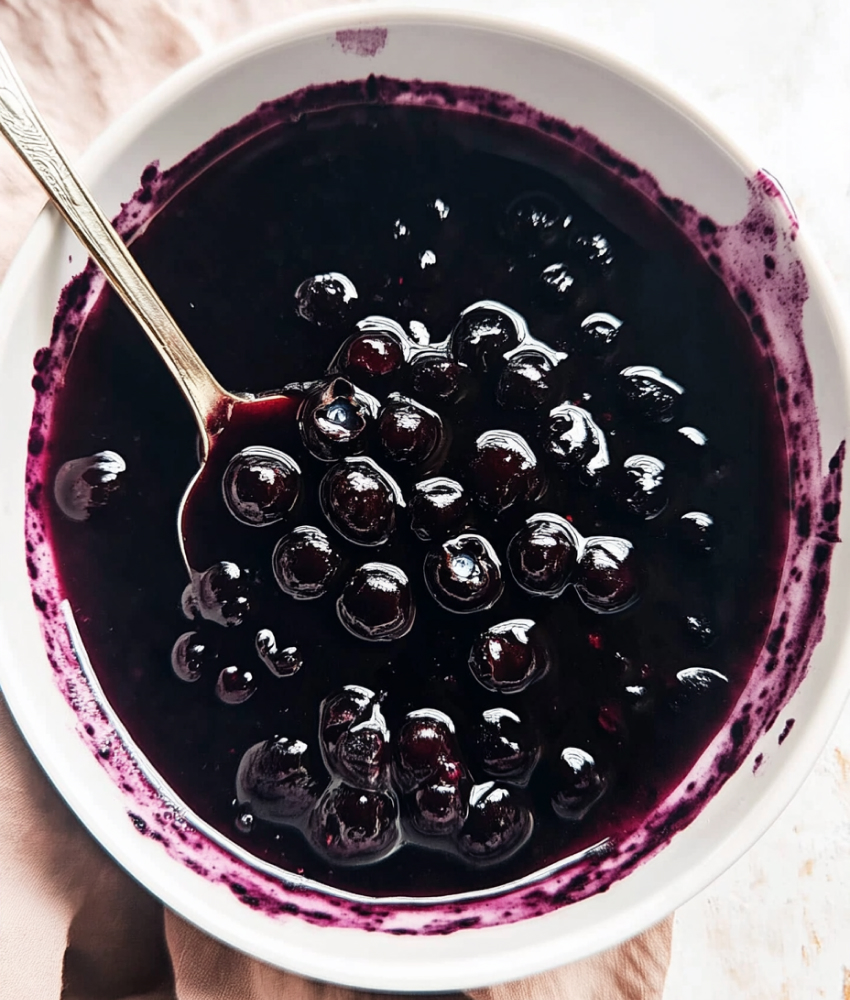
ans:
(690, 161)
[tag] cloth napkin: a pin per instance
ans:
(73, 925)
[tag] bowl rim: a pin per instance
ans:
(801, 756)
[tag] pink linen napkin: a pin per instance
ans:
(73, 925)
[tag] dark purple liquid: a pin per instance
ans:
(226, 255)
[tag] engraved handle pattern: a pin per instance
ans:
(22, 125)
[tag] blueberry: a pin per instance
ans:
(305, 563)
(504, 471)
(352, 826)
(509, 656)
(340, 711)
(355, 739)
(505, 747)
(535, 221)
(577, 783)
(574, 441)
(498, 825)
(409, 432)
(325, 299)
(437, 506)
(639, 487)
(485, 332)
(439, 806)
(371, 354)
(334, 419)
(425, 739)
(700, 629)
(235, 685)
(526, 382)
(464, 574)
(275, 779)
(697, 531)
(593, 251)
(222, 594)
(543, 554)
(281, 661)
(261, 485)
(606, 580)
(189, 603)
(377, 603)
(440, 378)
(598, 334)
(84, 484)
(562, 287)
(190, 655)
(698, 686)
(361, 501)
(650, 394)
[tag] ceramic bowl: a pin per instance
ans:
(743, 780)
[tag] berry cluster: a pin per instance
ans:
(377, 436)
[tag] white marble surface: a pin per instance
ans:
(775, 76)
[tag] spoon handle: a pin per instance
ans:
(22, 125)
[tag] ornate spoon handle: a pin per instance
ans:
(22, 125)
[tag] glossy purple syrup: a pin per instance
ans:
(677, 316)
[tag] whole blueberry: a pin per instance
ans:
(360, 500)
(593, 251)
(84, 484)
(509, 656)
(355, 739)
(438, 806)
(190, 656)
(526, 382)
(437, 377)
(354, 826)
(305, 563)
(650, 394)
(574, 441)
(426, 738)
(577, 783)
(504, 471)
(504, 746)
(334, 419)
(498, 825)
(282, 661)
(697, 531)
(235, 685)
(261, 485)
(562, 287)
(543, 554)
(464, 574)
(409, 432)
(222, 594)
(484, 333)
(535, 221)
(377, 603)
(598, 334)
(437, 506)
(639, 487)
(606, 579)
(698, 687)
(326, 299)
(275, 779)
(372, 354)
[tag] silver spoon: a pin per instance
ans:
(213, 406)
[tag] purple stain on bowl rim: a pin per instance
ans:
(757, 261)
(365, 42)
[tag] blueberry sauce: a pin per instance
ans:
(502, 349)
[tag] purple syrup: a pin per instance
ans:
(678, 316)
